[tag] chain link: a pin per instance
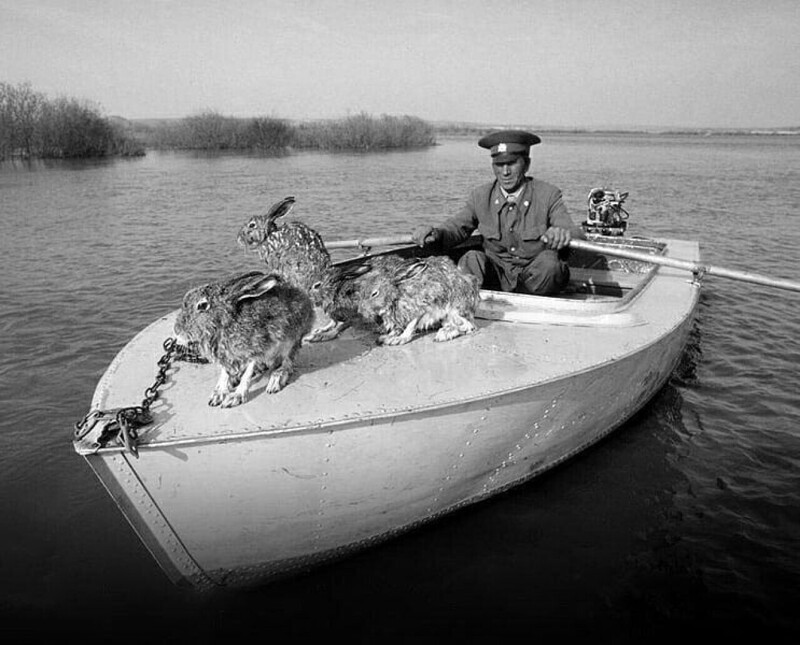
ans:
(124, 423)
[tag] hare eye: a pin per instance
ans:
(202, 305)
(251, 225)
(374, 294)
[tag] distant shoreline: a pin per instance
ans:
(38, 127)
(643, 133)
(473, 129)
(456, 128)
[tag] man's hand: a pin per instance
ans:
(426, 235)
(556, 238)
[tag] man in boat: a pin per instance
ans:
(525, 225)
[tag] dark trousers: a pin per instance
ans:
(545, 275)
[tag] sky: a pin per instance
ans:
(549, 63)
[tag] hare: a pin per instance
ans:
(248, 324)
(423, 294)
(293, 250)
(343, 292)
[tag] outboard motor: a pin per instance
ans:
(606, 215)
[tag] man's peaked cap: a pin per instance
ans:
(508, 145)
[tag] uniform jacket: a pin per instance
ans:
(510, 241)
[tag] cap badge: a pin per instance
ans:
(501, 147)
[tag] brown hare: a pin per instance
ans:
(249, 324)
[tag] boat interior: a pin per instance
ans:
(598, 283)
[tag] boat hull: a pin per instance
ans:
(266, 498)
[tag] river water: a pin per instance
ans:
(685, 521)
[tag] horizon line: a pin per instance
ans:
(476, 125)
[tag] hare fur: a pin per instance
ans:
(293, 250)
(422, 294)
(249, 324)
(401, 296)
(344, 291)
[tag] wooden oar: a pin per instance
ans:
(694, 267)
(369, 242)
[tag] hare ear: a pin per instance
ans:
(410, 271)
(249, 285)
(281, 208)
(356, 271)
(257, 287)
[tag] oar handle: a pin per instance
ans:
(368, 242)
(694, 267)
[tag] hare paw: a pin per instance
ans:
(393, 339)
(221, 390)
(396, 337)
(446, 333)
(449, 332)
(233, 399)
(325, 333)
(277, 380)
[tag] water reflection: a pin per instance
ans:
(683, 519)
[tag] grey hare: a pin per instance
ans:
(294, 250)
(344, 291)
(401, 296)
(424, 294)
(249, 324)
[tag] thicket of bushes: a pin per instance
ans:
(35, 126)
(212, 131)
(364, 132)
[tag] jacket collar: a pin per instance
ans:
(498, 197)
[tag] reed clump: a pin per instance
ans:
(35, 126)
(363, 132)
(212, 131)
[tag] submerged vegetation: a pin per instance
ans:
(35, 126)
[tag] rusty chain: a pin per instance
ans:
(124, 423)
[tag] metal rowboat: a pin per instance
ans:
(367, 442)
